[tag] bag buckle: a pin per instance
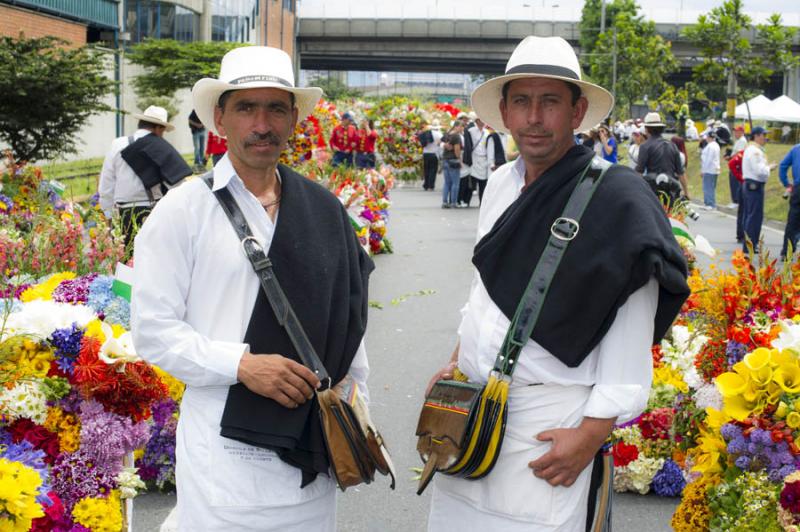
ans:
(565, 228)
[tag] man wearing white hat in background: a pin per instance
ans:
(250, 453)
(618, 287)
(120, 187)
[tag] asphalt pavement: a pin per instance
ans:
(416, 295)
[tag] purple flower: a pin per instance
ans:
(75, 476)
(25, 453)
(743, 463)
(730, 432)
(67, 343)
(735, 352)
(107, 437)
(74, 290)
(669, 481)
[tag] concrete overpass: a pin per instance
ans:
(457, 46)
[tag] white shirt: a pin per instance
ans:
(193, 293)
(619, 369)
(433, 147)
(740, 144)
(754, 163)
(480, 163)
(119, 184)
(490, 150)
(633, 154)
(709, 158)
(691, 133)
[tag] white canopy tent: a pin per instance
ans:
(760, 109)
(784, 109)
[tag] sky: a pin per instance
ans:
(685, 11)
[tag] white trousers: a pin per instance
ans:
(511, 498)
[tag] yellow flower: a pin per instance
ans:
(788, 378)
(45, 290)
(731, 384)
(99, 514)
(793, 420)
(758, 358)
(19, 485)
(175, 386)
(782, 410)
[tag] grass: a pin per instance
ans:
(82, 176)
(775, 206)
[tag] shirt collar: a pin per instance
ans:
(518, 171)
(224, 173)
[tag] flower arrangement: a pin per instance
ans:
(75, 405)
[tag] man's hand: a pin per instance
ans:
(445, 373)
(285, 381)
(572, 450)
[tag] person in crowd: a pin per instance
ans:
(216, 147)
(691, 130)
(452, 145)
(608, 144)
(637, 138)
(128, 189)
(251, 455)
(681, 144)
(755, 171)
(365, 148)
(474, 135)
(791, 162)
(709, 170)
(344, 139)
(573, 382)
(198, 141)
(786, 131)
(658, 155)
(430, 154)
(479, 169)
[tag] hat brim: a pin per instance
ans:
(657, 124)
(486, 100)
(152, 120)
(206, 93)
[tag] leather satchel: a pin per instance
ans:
(355, 447)
(461, 426)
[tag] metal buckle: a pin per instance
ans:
(565, 228)
(260, 259)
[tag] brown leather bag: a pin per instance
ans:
(355, 447)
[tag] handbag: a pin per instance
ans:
(461, 426)
(355, 447)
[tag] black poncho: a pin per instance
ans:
(625, 238)
(324, 272)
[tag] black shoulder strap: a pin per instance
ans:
(272, 288)
(564, 229)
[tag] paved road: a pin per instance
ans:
(421, 288)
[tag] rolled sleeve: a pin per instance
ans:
(625, 368)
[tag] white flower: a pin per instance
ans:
(681, 352)
(789, 337)
(707, 396)
(116, 350)
(129, 483)
(25, 400)
(40, 318)
(702, 245)
(637, 475)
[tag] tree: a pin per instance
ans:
(48, 92)
(589, 25)
(171, 65)
(728, 57)
(334, 88)
(643, 60)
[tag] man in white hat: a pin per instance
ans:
(250, 452)
(121, 187)
(619, 285)
(657, 155)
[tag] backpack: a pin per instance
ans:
(735, 166)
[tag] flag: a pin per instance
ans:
(123, 281)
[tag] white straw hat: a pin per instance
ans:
(653, 119)
(155, 115)
(252, 67)
(541, 57)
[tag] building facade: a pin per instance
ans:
(114, 25)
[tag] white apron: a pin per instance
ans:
(511, 498)
(227, 485)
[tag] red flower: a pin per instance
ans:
(624, 454)
(790, 497)
(38, 436)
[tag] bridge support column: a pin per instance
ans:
(791, 83)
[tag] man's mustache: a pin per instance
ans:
(539, 132)
(260, 138)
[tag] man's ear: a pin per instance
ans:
(218, 120)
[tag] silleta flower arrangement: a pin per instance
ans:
(76, 403)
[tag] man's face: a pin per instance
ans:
(760, 139)
(737, 133)
(540, 116)
(257, 123)
(479, 123)
(159, 131)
